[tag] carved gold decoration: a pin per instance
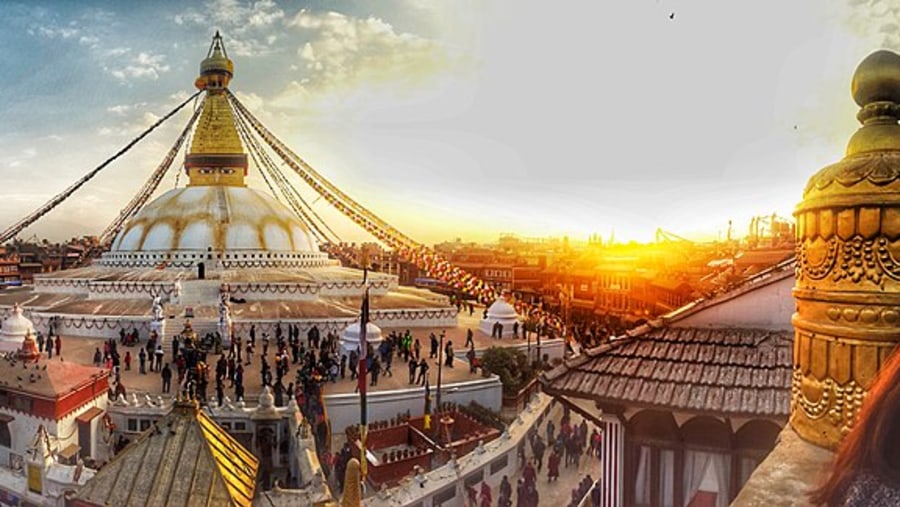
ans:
(848, 273)
(352, 485)
(839, 404)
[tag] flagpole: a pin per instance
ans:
(438, 394)
(363, 352)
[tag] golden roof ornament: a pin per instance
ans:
(848, 276)
(352, 496)
(216, 70)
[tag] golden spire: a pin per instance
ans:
(216, 156)
(848, 276)
(352, 487)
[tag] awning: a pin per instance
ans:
(89, 415)
(69, 452)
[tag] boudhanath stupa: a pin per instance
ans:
(219, 253)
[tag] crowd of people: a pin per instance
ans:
(563, 443)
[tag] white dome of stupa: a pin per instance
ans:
(14, 329)
(501, 310)
(350, 337)
(222, 218)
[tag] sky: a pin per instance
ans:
(452, 119)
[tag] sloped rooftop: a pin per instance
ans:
(721, 371)
(183, 459)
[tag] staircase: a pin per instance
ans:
(200, 326)
(196, 294)
(200, 292)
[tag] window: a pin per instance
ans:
(240, 426)
(499, 464)
(5, 436)
(132, 424)
(145, 424)
(444, 496)
(473, 479)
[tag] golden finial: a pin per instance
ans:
(876, 89)
(217, 69)
(352, 488)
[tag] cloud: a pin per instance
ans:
(247, 26)
(19, 159)
(344, 52)
(124, 109)
(143, 65)
(876, 19)
(55, 32)
(89, 41)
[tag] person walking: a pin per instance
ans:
(471, 357)
(166, 378)
(423, 371)
(486, 498)
(142, 361)
(58, 345)
(538, 448)
(413, 366)
(220, 392)
(553, 466)
(159, 356)
(434, 346)
(388, 360)
(376, 369)
(448, 354)
(354, 364)
(469, 339)
(505, 490)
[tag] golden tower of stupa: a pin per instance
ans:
(848, 275)
(216, 156)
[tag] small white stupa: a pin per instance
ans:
(350, 337)
(504, 313)
(14, 330)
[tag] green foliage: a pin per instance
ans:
(483, 415)
(511, 365)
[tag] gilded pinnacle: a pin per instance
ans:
(876, 89)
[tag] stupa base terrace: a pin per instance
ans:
(97, 301)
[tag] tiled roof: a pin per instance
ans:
(47, 378)
(723, 371)
(185, 459)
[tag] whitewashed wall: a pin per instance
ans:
(767, 306)
(343, 409)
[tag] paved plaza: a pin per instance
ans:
(82, 350)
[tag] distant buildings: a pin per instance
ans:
(615, 285)
(20, 260)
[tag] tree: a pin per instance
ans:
(511, 365)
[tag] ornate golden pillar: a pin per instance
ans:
(848, 276)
